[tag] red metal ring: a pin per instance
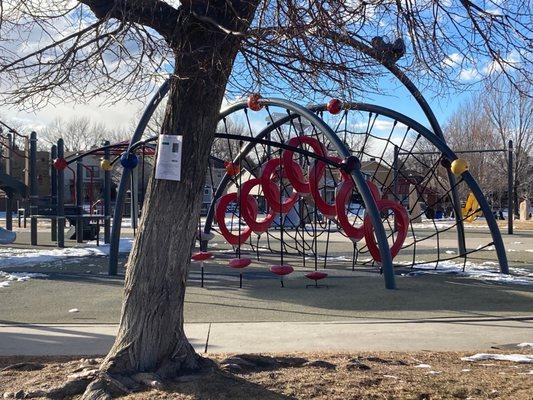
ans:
(297, 180)
(316, 172)
(220, 216)
(342, 197)
(271, 190)
(248, 214)
(401, 221)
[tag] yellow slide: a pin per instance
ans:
(470, 208)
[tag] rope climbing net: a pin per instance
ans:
(277, 184)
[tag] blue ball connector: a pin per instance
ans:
(129, 160)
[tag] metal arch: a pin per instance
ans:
(450, 154)
(343, 151)
(121, 193)
(419, 98)
(426, 109)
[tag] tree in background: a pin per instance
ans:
(469, 129)
(510, 112)
(118, 49)
(78, 133)
(488, 120)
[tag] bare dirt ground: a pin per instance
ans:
(421, 375)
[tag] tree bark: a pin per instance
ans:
(151, 337)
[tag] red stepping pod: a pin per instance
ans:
(281, 270)
(201, 256)
(316, 276)
(240, 263)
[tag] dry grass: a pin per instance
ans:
(336, 376)
(517, 224)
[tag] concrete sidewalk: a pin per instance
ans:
(475, 334)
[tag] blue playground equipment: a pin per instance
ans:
(379, 163)
(291, 176)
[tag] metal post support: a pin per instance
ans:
(510, 192)
(60, 210)
(79, 200)
(395, 173)
(9, 170)
(53, 190)
(134, 198)
(33, 188)
(107, 196)
(121, 192)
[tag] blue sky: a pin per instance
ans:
(123, 113)
(399, 99)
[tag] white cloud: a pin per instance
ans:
(469, 74)
(113, 116)
(453, 60)
(484, 69)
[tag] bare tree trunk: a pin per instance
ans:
(151, 336)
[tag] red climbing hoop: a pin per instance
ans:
(249, 214)
(220, 215)
(343, 196)
(287, 167)
(316, 173)
(271, 190)
(401, 221)
(292, 169)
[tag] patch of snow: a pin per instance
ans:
(450, 252)
(525, 345)
(8, 277)
(433, 372)
(509, 250)
(485, 272)
(465, 370)
(331, 258)
(517, 242)
(73, 310)
(529, 250)
(488, 248)
(530, 372)
(423, 366)
(10, 257)
(518, 358)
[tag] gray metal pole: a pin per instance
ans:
(9, 197)
(53, 190)
(395, 172)
(107, 196)
(510, 191)
(33, 188)
(123, 185)
(491, 221)
(134, 198)
(60, 214)
(79, 200)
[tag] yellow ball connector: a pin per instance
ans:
(459, 166)
(106, 165)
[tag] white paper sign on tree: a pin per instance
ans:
(168, 164)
